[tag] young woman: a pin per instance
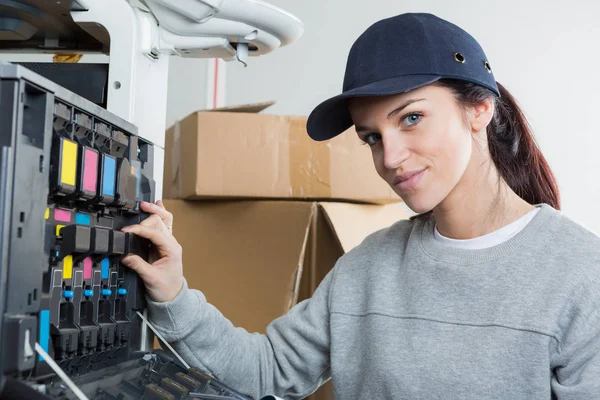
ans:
(489, 293)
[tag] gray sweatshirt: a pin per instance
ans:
(404, 317)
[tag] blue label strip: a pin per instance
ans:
(108, 181)
(83, 219)
(44, 331)
(105, 265)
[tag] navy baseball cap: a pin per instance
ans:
(399, 54)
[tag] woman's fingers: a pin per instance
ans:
(155, 235)
(140, 266)
(163, 275)
(160, 210)
(155, 221)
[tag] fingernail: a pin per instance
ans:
(126, 229)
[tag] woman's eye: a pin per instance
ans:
(411, 119)
(372, 139)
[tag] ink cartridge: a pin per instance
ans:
(87, 182)
(107, 174)
(64, 166)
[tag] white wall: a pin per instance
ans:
(547, 53)
(187, 88)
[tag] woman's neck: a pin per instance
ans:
(479, 206)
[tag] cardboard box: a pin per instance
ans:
(241, 154)
(254, 260)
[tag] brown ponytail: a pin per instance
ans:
(512, 146)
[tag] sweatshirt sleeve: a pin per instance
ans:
(576, 360)
(291, 360)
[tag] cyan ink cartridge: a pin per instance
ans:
(107, 179)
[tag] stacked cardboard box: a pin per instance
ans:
(263, 213)
(239, 153)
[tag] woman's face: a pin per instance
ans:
(421, 142)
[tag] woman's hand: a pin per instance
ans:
(163, 276)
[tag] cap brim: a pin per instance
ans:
(331, 117)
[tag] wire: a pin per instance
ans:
(60, 372)
(186, 365)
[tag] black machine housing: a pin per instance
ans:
(72, 175)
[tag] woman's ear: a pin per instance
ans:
(481, 115)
